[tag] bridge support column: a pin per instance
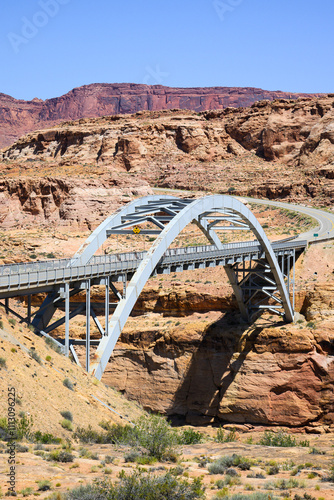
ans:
(233, 279)
(87, 324)
(107, 307)
(293, 279)
(29, 309)
(124, 279)
(65, 294)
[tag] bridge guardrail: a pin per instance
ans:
(28, 275)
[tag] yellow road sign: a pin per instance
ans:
(136, 230)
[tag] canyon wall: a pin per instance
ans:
(279, 149)
(269, 373)
(17, 117)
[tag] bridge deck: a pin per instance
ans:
(25, 278)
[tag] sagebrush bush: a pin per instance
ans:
(26, 492)
(139, 485)
(44, 485)
(278, 439)
(252, 496)
(51, 343)
(35, 356)
(3, 362)
(60, 456)
(67, 414)
(67, 383)
(66, 424)
(224, 463)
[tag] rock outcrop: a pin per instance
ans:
(17, 117)
(80, 203)
(279, 149)
(271, 375)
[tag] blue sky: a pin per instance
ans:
(47, 47)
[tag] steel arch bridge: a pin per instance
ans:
(258, 271)
(257, 288)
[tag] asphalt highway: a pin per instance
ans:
(325, 228)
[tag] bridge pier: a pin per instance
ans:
(87, 325)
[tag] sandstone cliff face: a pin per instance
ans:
(80, 203)
(280, 149)
(265, 374)
(18, 117)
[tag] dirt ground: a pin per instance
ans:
(304, 469)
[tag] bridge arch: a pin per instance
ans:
(197, 211)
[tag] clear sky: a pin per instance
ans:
(50, 46)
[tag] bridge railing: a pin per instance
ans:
(29, 267)
(121, 261)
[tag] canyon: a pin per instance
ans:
(185, 352)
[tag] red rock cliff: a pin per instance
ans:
(18, 117)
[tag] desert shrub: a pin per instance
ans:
(115, 434)
(232, 480)
(88, 492)
(222, 464)
(156, 435)
(153, 433)
(316, 451)
(189, 436)
(48, 358)
(176, 471)
(306, 496)
(35, 356)
(221, 437)
(21, 448)
(24, 427)
(139, 485)
(12, 321)
(44, 485)
(274, 469)
(120, 434)
(252, 496)
(89, 435)
(67, 414)
(3, 362)
(45, 438)
(51, 343)
(145, 460)
(131, 456)
(26, 492)
(331, 474)
(305, 443)
(1, 324)
(67, 383)
(280, 439)
(60, 456)
(282, 484)
(231, 472)
(66, 424)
